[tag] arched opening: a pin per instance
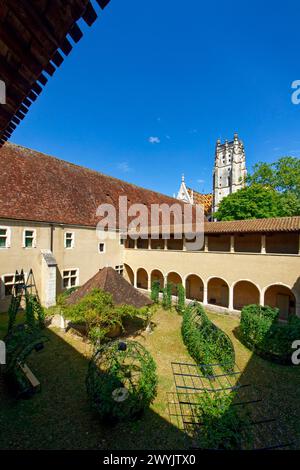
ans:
(282, 298)
(128, 274)
(194, 288)
(157, 275)
(142, 278)
(245, 293)
(218, 292)
(174, 279)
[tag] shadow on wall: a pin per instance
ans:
(61, 416)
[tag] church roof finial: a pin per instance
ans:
(182, 177)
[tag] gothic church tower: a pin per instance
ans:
(230, 169)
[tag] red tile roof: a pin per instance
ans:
(37, 187)
(107, 279)
(278, 224)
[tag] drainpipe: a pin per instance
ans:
(51, 238)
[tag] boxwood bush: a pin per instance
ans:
(206, 343)
(263, 333)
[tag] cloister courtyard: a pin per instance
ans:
(60, 417)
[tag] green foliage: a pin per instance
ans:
(266, 335)
(206, 343)
(223, 426)
(252, 202)
(273, 191)
(155, 288)
(180, 298)
(34, 312)
(61, 298)
(97, 311)
(282, 175)
(12, 312)
(121, 383)
(167, 296)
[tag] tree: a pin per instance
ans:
(282, 175)
(252, 202)
(273, 191)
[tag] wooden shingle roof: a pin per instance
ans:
(35, 36)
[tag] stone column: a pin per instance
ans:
(232, 244)
(230, 304)
(205, 300)
(149, 282)
(135, 279)
(135, 244)
(205, 243)
(263, 244)
(165, 244)
(261, 297)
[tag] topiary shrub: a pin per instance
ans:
(180, 299)
(155, 288)
(121, 380)
(167, 296)
(224, 426)
(206, 343)
(263, 333)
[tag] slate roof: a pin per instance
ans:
(108, 280)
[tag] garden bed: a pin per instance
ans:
(60, 416)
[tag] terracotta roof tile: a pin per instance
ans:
(278, 224)
(37, 187)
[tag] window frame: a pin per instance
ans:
(7, 236)
(120, 269)
(72, 240)
(104, 248)
(2, 290)
(69, 277)
(33, 230)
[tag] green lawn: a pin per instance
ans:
(60, 416)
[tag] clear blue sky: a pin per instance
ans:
(183, 72)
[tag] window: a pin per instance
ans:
(4, 237)
(70, 278)
(120, 269)
(69, 239)
(29, 238)
(122, 240)
(101, 247)
(8, 281)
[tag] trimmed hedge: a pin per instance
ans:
(263, 333)
(206, 343)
